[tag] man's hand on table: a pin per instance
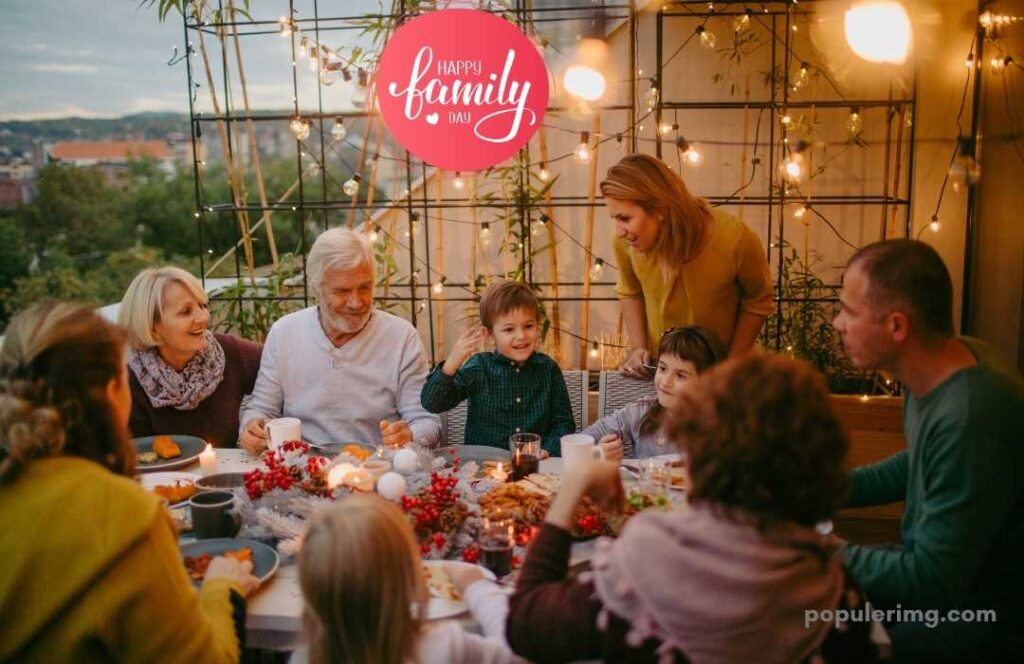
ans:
(239, 571)
(395, 434)
(254, 436)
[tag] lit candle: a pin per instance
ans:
(208, 460)
(360, 480)
(500, 473)
(336, 476)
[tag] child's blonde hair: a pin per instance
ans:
(361, 576)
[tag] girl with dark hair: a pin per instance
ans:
(683, 353)
(102, 580)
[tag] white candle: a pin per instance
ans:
(208, 460)
(336, 476)
(500, 473)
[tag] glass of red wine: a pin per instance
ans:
(497, 535)
(525, 448)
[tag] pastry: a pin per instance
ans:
(439, 584)
(165, 447)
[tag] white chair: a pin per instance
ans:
(453, 422)
(616, 390)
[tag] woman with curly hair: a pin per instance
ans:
(732, 576)
(91, 568)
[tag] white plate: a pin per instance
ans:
(438, 607)
(150, 481)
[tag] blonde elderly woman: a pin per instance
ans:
(185, 379)
(348, 371)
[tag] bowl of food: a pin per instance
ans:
(227, 481)
(361, 451)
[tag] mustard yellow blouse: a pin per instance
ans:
(729, 276)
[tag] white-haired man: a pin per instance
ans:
(348, 371)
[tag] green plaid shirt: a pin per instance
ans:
(505, 398)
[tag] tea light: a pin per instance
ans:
(500, 473)
(208, 460)
(336, 475)
(359, 479)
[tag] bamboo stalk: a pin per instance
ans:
(360, 164)
(589, 244)
(549, 210)
(885, 169)
(743, 153)
(371, 189)
(243, 222)
(898, 167)
(253, 149)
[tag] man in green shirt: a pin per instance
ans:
(962, 474)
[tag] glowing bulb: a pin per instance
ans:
(651, 98)
(879, 31)
(934, 225)
(707, 38)
(539, 225)
(299, 129)
(786, 119)
(584, 82)
(375, 235)
(800, 212)
(314, 168)
(414, 225)
(485, 234)
(338, 131)
(544, 174)
(742, 22)
(351, 186)
(595, 351)
(458, 182)
(438, 288)
(969, 62)
(583, 154)
(286, 26)
(908, 119)
(854, 124)
(359, 97)
(690, 153)
(328, 77)
(665, 129)
(597, 270)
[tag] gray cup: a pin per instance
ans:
(212, 515)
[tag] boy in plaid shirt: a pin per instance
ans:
(515, 389)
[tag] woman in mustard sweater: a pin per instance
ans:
(681, 262)
(91, 569)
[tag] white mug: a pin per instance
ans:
(579, 449)
(283, 429)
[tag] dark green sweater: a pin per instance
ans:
(962, 477)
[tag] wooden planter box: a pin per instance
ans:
(875, 427)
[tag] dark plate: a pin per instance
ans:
(264, 559)
(221, 481)
(478, 453)
(190, 450)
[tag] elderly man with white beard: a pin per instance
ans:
(347, 370)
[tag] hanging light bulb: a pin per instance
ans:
(583, 154)
(802, 76)
(338, 131)
(854, 123)
(652, 96)
(438, 287)
(595, 350)
(540, 225)
(690, 153)
(801, 211)
(458, 182)
(328, 77)
(879, 30)
(299, 128)
(792, 167)
(314, 168)
(707, 38)
(375, 234)
(665, 129)
(597, 269)
(786, 119)
(969, 62)
(544, 174)
(964, 172)
(414, 224)
(286, 26)
(742, 22)
(351, 186)
(908, 118)
(360, 93)
(485, 234)
(934, 225)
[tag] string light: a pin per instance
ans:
(375, 234)
(351, 186)
(742, 22)
(595, 350)
(314, 168)
(360, 94)
(964, 172)
(485, 234)
(665, 129)
(414, 224)
(854, 124)
(544, 174)
(328, 76)
(969, 62)
(583, 154)
(792, 167)
(286, 26)
(299, 128)
(801, 211)
(786, 119)
(458, 182)
(652, 96)
(597, 269)
(338, 131)
(998, 65)
(438, 287)
(934, 225)
(541, 224)
(707, 38)
(801, 77)
(690, 153)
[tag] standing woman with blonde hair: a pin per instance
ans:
(91, 568)
(681, 262)
(185, 379)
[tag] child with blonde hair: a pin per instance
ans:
(366, 596)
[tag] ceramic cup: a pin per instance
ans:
(283, 429)
(212, 515)
(579, 449)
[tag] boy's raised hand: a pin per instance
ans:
(468, 343)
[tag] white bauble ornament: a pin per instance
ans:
(405, 461)
(391, 486)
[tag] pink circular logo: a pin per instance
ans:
(461, 89)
